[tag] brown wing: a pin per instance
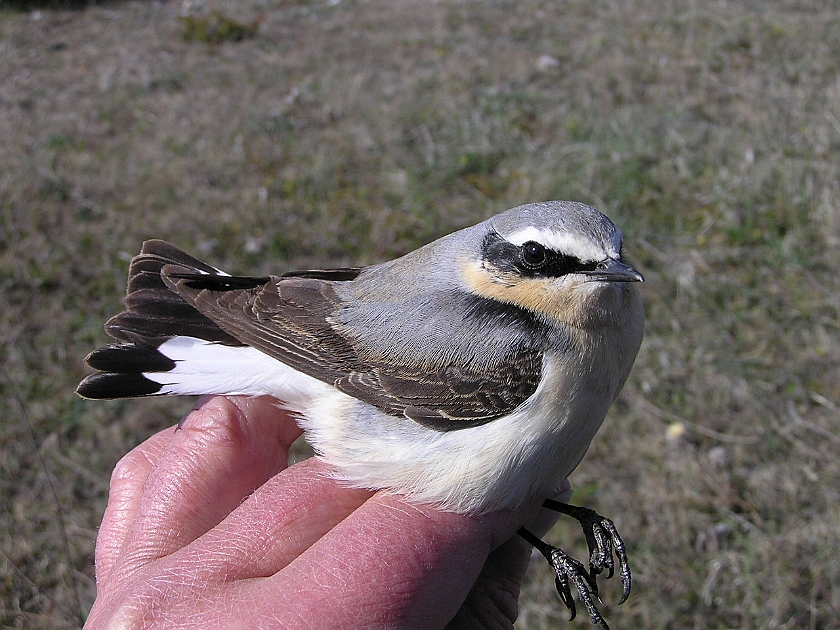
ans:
(290, 319)
(284, 319)
(448, 397)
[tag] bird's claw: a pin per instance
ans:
(603, 541)
(570, 571)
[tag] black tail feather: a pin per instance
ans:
(109, 386)
(129, 359)
(147, 302)
(168, 254)
(153, 310)
(121, 369)
(129, 323)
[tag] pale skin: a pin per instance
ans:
(208, 527)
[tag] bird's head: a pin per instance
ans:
(557, 259)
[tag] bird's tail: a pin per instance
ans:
(153, 309)
(166, 345)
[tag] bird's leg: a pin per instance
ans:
(566, 570)
(603, 540)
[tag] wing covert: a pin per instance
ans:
(291, 319)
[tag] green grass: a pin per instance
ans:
(348, 133)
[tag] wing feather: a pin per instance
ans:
(292, 319)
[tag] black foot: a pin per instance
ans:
(566, 570)
(603, 541)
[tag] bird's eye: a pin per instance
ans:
(533, 254)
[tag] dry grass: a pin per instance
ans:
(349, 132)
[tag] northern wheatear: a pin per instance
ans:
(471, 373)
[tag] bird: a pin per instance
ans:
(471, 373)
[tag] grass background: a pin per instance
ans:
(349, 131)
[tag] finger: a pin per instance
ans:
(126, 489)
(493, 601)
(225, 450)
(126, 486)
(278, 522)
(391, 563)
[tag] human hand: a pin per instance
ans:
(208, 527)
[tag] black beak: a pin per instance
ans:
(611, 270)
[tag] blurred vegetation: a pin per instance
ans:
(215, 27)
(349, 132)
